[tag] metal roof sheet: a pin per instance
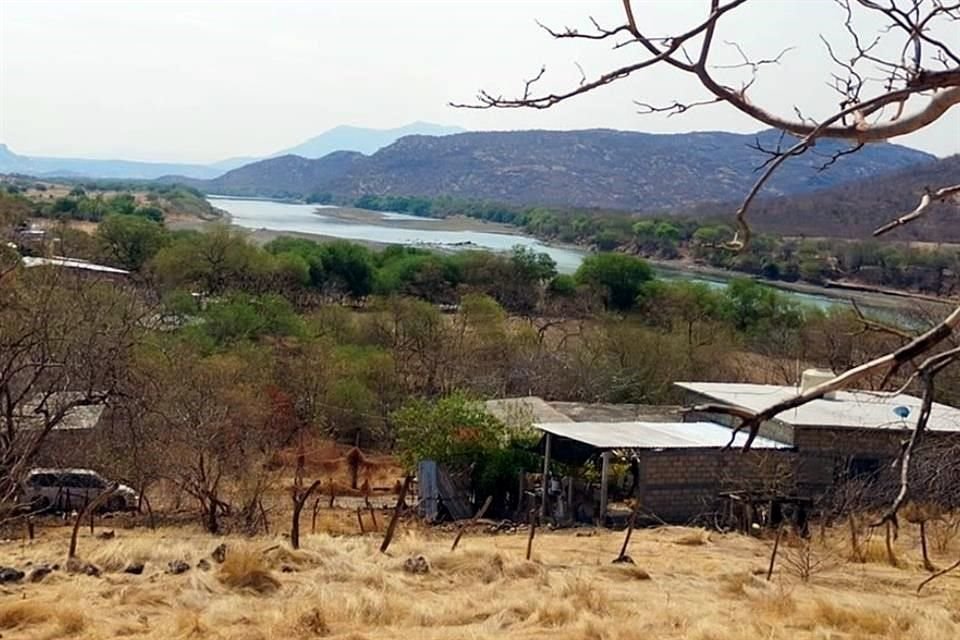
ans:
(856, 409)
(70, 263)
(81, 417)
(653, 435)
(523, 411)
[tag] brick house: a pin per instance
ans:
(680, 467)
(847, 433)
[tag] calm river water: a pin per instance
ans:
(383, 228)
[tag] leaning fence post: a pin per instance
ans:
(472, 521)
(391, 528)
(773, 556)
(533, 531)
(626, 540)
(91, 507)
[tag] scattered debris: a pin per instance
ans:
(313, 622)
(220, 553)
(623, 560)
(9, 574)
(417, 565)
(136, 568)
(106, 535)
(176, 567)
(504, 526)
(74, 565)
(40, 572)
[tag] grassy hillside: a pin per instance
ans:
(685, 584)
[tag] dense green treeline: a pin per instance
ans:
(930, 270)
(94, 200)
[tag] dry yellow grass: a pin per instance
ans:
(342, 587)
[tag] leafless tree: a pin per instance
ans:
(919, 81)
(65, 344)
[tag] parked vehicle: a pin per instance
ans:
(72, 489)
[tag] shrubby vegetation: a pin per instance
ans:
(94, 200)
(226, 350)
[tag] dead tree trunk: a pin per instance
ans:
(300, 499)
(392, 527)
(90, 508)
(472, 521)
(150, 517)
(891, 557)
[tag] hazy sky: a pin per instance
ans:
(202, 81)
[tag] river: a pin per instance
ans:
(383, 228)
(398, 228)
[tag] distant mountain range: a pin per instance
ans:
(596, 168)
(43, 167)
(343, 138)
(855, 209)
(365, 141)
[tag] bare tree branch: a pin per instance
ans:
(926, 200)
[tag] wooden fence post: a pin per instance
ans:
(300, 499)
(626, 540)
(472, 521)
(91, 507)
(773, 556)
(533, 531)
(392, 527)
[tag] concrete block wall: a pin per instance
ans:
(679, 485)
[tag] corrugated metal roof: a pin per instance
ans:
(653, 435)
(523, 411)
(70, 263)
(858, 409)
(81, 417)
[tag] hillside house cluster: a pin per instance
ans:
(684, 465)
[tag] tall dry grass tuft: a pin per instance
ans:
(851, 619)
(693, 538)
(585, 595)
(25, 613)
(874, 550)
(313, 624)
(736, 584)
(29, 614)
(625, 572)
(245, 568)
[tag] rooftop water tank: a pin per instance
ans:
(813, 377)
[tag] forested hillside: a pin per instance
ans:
(597, 168)
(855, 209)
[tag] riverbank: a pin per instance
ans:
(265, 220)
(840, 291)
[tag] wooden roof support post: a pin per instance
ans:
(545, 482)
(604, 485)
